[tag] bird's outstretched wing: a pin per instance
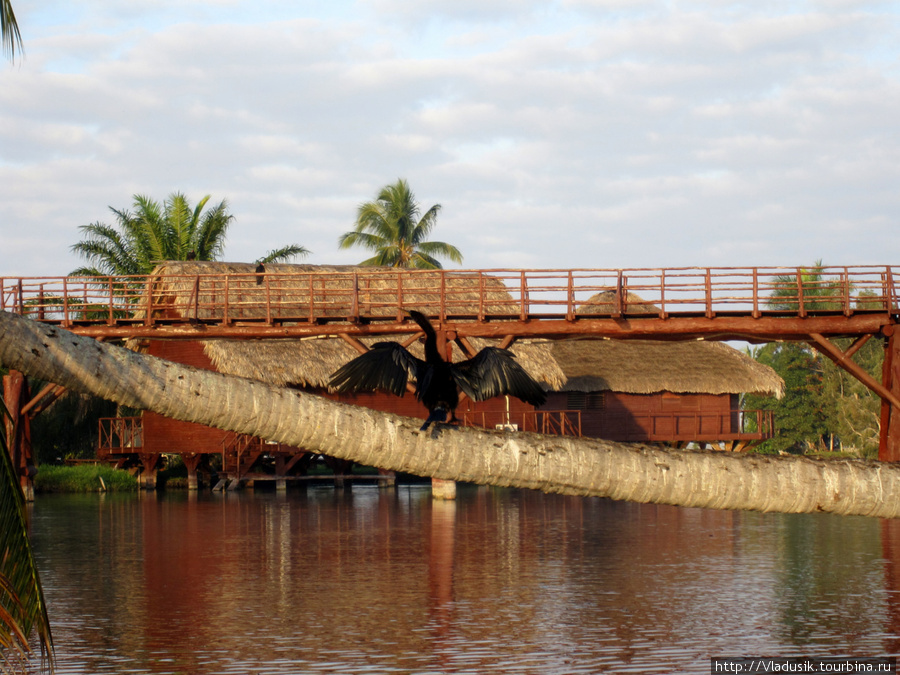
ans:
(387, 365)
(495, 372)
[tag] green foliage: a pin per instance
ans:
(824, 408)
(855, 410)
(157, 232)
(800, 419)
(391, 227)
(68, 429)
(83, 478)
(22, 606)
(9, 29)
(809, 287)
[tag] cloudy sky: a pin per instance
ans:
(574, 133)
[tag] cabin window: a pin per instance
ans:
(585, 400)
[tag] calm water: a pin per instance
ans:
(501, 581)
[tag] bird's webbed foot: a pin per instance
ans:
(438, 416)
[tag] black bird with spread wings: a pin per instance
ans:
(388, 366)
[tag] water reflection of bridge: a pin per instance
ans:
(754, 304)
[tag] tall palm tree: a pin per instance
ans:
(391, 227)
(563, 464)
(156, 232)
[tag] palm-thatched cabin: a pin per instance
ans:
(655, 391)
(619, 390)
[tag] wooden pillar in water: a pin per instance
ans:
(191, 463)
(18, 430)
(149, 471)
(889, 443)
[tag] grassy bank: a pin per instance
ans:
(83, 478)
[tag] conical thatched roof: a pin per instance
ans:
(191, 288)
(605, 303)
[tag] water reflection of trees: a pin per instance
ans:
(829, 588)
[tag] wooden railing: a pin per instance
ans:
(476, 295)
(692, 426)
(120, 435)
(556, 422)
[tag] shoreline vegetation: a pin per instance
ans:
(83, 478)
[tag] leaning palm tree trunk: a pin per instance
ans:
(575, 466)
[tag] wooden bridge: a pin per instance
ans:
(754, 304)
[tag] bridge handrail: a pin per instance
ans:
(482, 295)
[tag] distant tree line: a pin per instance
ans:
(824, 408)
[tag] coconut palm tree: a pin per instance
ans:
(568, 465)
(391, 227)
(155, 232)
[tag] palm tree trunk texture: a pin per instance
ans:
(575, 466)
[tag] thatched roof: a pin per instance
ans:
(647, 367)
(285, 289)
(311, 362)
(605, 303)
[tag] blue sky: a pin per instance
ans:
(577, 133)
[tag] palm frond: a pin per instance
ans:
(284, 254)
(21, 595)
(209, 243)
(12, 38)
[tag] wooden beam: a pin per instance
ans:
(857, 344)
(466, 346)
(841, 359)
(649, 327)
(353, 342)
(889, 438)
(35, 406)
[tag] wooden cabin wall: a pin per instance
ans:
(163, 434)
(624, 417)
(408, 406)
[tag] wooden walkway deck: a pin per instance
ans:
(754, 303)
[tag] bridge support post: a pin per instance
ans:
(192, 463)
(889, 442)
(149, 471)
(18, 431)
